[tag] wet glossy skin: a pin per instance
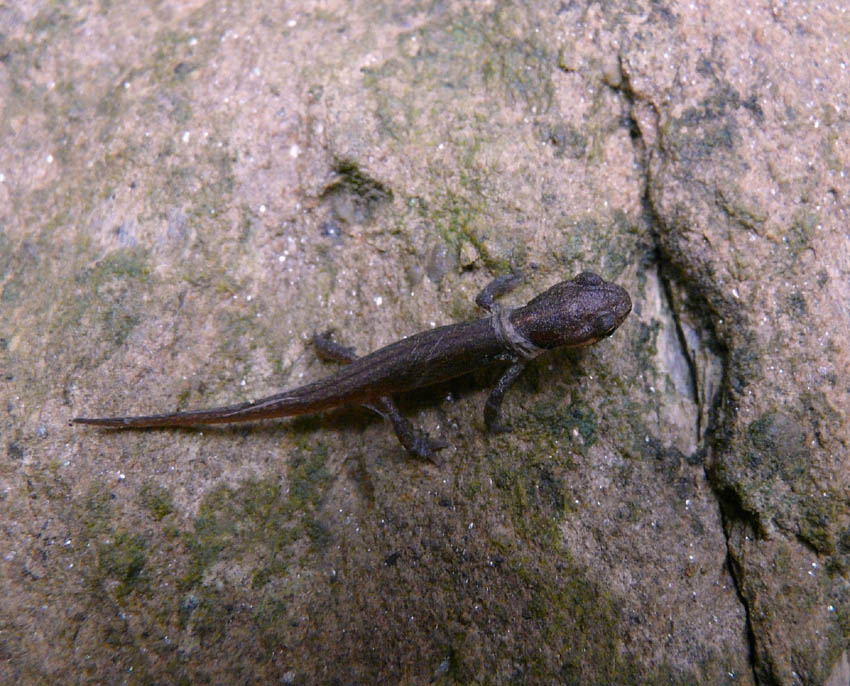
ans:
(570, 314)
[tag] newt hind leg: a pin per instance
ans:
(416, 443)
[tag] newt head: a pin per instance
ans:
(574, 313)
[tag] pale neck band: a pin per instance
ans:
(508, 335)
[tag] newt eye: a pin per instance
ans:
(605, 324)
(588, 279)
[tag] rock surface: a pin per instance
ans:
(188, 190)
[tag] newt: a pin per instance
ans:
(571, 314)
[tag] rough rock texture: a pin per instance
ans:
(188, 190)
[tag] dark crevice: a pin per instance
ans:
(729, 506)
(735, 574)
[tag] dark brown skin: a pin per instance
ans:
(570, 314)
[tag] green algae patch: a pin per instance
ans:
(108, 308)
(122, 560)
(818, 523)
(95, 511)
(579, 619)
(531, 487)
(556, 624)
(308, 479)
(777, 447)
(800, 234)
(553, 418)
(462, 217)
(263, 523)
(740, 206)
(127, 263)
(500, 63)
(156, 500)
(252, 544)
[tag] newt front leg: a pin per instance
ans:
(519, 349)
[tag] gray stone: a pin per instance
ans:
(672, 505)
